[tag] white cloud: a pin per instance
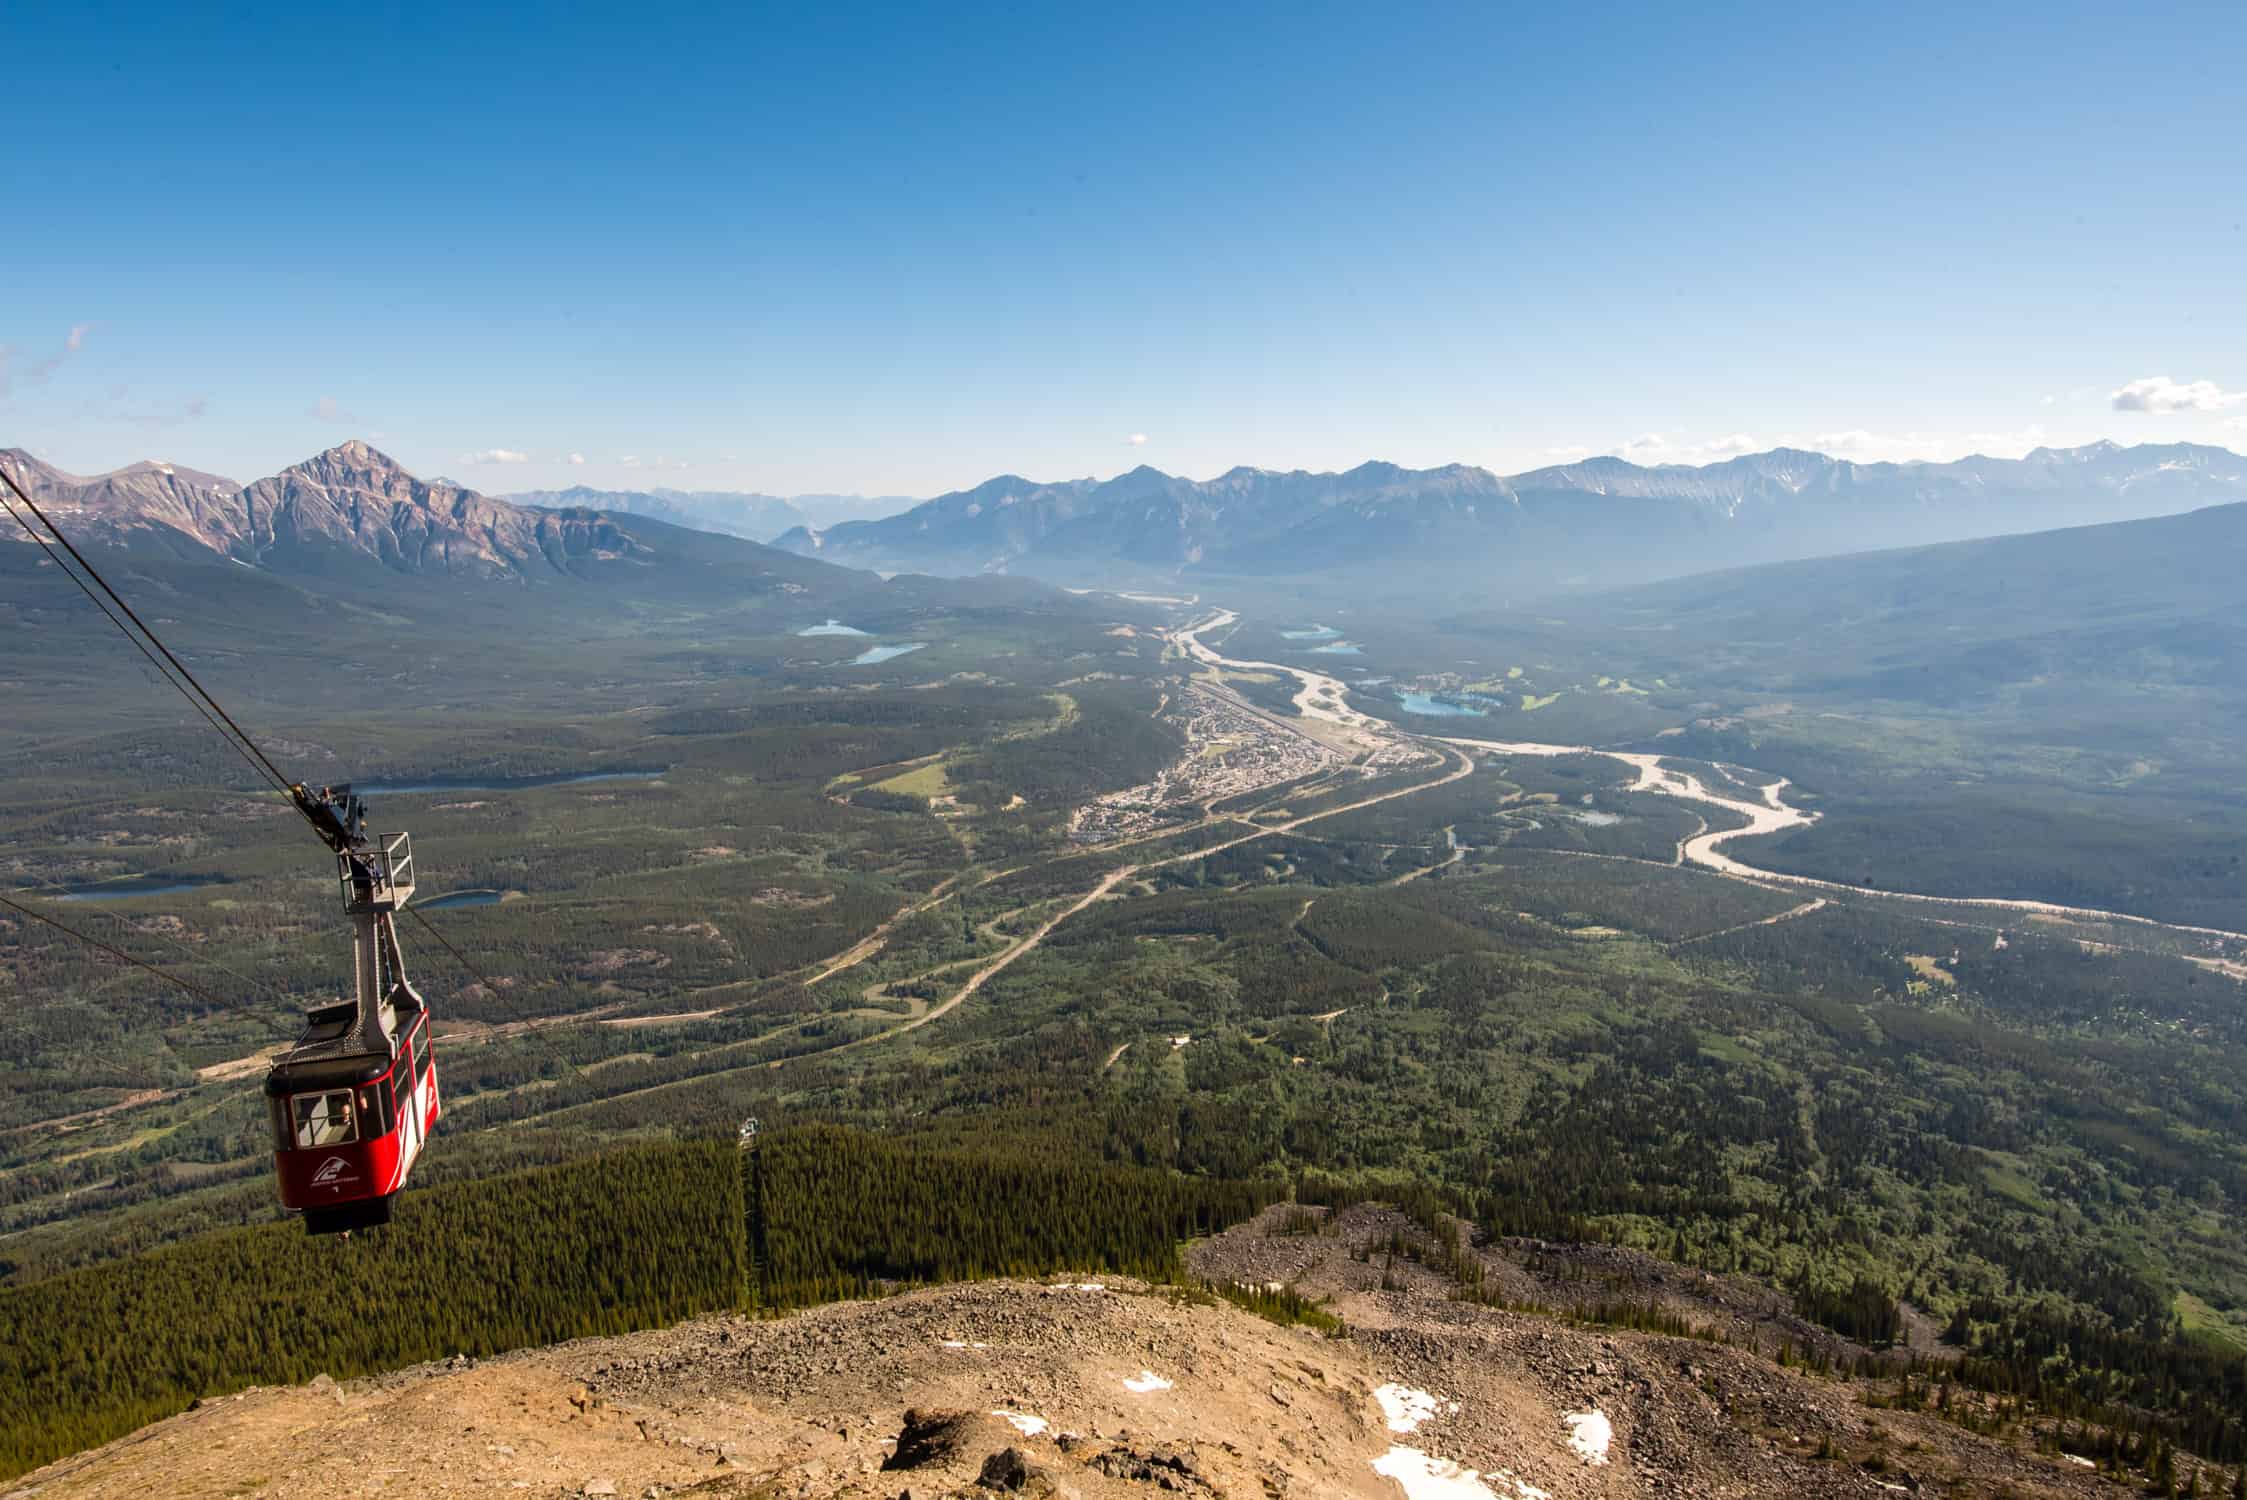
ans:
(577, 460)
(630, 460)
(326, 409)
(1137, 440)
(72, 342)
(2008, 444)
(2158, 393)
(1919, 447)
(1859, 443)
(496, 456)
(1568, 451)
(1661, 448)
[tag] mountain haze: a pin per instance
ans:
(758, 518)
(1602, 522)
(2131, 608)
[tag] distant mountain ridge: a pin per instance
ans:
(1458, 529)
(746, 514)
(352, 510)
(1598, 523)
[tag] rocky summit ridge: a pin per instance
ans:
(1095, 1388)
(339, 509)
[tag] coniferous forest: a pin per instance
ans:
(629, 1239)
(1502, 991)
(624, 1240)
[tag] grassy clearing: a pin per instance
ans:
(925, 782)
(147, 1136)
(2211, 1327)
(1725, 1049)
(1931, 969)
(2004, 1175)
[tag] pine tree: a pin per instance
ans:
(2161, 1468)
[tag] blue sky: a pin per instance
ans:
(898, 250)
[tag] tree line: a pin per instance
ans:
(629, 1239)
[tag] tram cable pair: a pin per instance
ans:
(353, 1101)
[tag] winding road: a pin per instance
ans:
(1322, 698)
(1322, 701)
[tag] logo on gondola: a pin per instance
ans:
(335, 1169)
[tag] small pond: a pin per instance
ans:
(461, 898)
(873, 654)
(1438, 708)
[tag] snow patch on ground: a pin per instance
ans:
(1404, 1407)
(1589, 1433)
(1144, 1382)
(1422, 1477)
(1084, 1286)
(1022, 1421)
(2077, 1458)
(964, 1344)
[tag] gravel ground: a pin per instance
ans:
(1107, 1388)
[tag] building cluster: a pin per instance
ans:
(1229, 752)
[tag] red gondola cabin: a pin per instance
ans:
(355, 1098)
(349, 1117)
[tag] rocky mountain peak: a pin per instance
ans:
(355, 498)
(350, 506)
(163, 469)
(359, 465)
(355, 454)
(26, 468)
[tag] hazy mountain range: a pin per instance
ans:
(352, 512)
(1602, 522)
(2154, 605)
(1457, 529)
(757, 517)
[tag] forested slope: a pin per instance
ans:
(630, 1239)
